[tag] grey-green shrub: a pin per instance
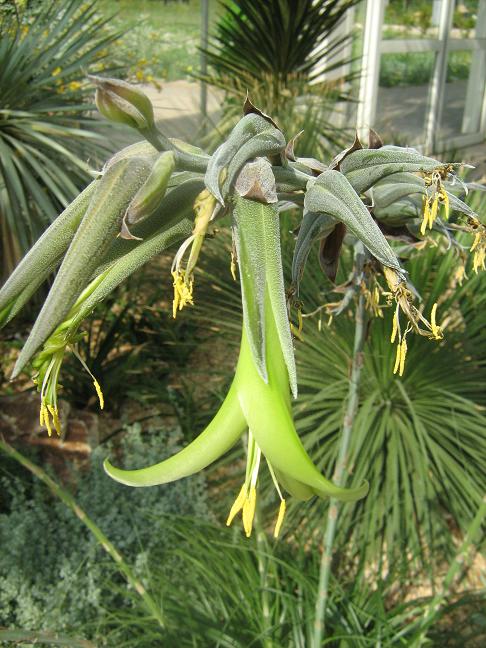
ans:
(53, 573)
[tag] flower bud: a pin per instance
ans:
(123, 103)
(150, 195)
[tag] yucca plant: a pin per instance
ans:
(47, 138)
(278, 52)
(161, 191)
(432, 415)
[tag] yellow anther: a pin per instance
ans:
(55, 418)
(47, 421)
(249, 507)
(475, 244)
(436, 330)
(297, 330)
(445, 199)
(438, 195)
(403, 355)
(99, 393)
(433, 210)
(182, 291)
(280, 519)
(397, 358)
(395, 326)
(425, 220)
(237, 505)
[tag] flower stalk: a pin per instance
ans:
(342, 465)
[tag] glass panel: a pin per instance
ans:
(410, 19)
(402, 96)
(463, 93)
(464, 19)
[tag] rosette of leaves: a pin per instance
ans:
(47, 136)
(278, 52)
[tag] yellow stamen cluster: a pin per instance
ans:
(415, 320)
(246, 500)
(49, 362)
(183, 279)
(48, 411)
(479, 244)
(432, 200)
(182, 291)
(372, 294)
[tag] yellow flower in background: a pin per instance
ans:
(74, 85)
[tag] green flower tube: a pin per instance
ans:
(257, 400)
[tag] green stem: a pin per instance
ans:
(108, 546)
(340, 472)
(456, 566)
(263, 574)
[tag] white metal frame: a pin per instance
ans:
(374, 47)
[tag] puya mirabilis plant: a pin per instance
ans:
(160, 191)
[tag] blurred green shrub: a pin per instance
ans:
(53, 574)
(417, 68)
(47, 137)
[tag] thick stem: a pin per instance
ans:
(108, 546)
(340, 471)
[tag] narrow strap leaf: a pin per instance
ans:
(44, 256)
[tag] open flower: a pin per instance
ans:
(48, 362)
(183, 278)
(259, 397)
(263, 407)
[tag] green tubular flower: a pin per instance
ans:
(259, 397)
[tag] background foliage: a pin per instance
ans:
(47, 138)
(74, 584)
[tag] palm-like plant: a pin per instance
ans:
(419, 438)
(276, 51)
(47, 138)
